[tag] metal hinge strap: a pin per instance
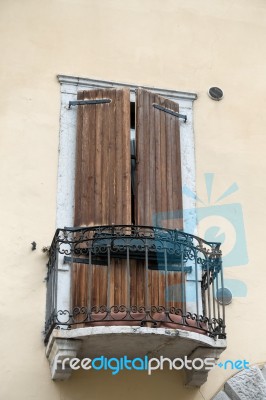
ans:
(171, 112)
(86, 102)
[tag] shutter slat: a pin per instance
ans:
(96, 197)
(163, 162)
(126, 161)
(106, 158)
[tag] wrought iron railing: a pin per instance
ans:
(198, 263)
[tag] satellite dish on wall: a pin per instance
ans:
(215, 93)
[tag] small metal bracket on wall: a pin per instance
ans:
(86, 102)
(171, 112)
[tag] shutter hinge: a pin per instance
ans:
(85, 102)
(171, 112)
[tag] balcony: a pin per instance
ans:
(135, 291)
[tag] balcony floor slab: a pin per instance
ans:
(118, 341)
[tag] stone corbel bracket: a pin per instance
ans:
(57, 351)
(194, 377)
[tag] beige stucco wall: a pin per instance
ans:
(182, 45)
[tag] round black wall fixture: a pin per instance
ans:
(215, 93)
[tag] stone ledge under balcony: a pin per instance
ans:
(117, 341)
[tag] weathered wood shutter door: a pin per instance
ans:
(102, 187)
(158, 179)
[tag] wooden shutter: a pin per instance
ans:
(158, 159)
(102, 187)
(102, 192)
(158, 178)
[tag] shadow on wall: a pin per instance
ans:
(128, 385)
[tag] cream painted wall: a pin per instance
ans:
(187, 46)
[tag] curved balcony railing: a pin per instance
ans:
(181, 294)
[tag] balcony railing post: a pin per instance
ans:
(223, 304)
(166, 293)
(109, 277)
(147, 294)
(218, 304)
(196, 283)
(208, 293)
(214, 302)
(55, 284)
(90, 281)
(128, 279)
(183, 296)
(72, 250)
